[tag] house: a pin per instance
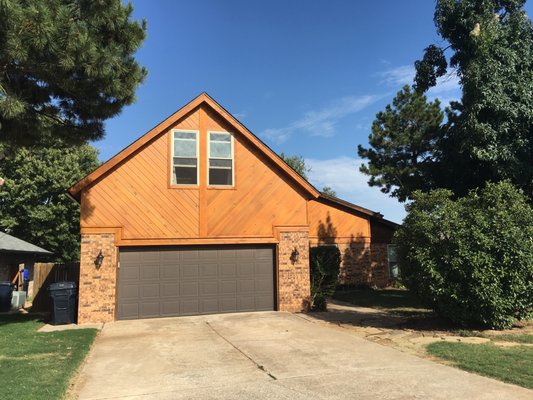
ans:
(17, 254)
(199, 216)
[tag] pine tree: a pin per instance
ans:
(65, 67)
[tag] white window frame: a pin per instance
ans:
(197, 133)
(232, 143)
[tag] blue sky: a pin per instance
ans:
(307, 77)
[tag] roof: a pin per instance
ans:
(11, 244)
(377, 216)
(203, 98)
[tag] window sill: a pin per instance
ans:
(221, 188)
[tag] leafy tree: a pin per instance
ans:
(470, 259)
(329, 191)
(403, 153)
(65, 67)
(324, 265)
(485, 137)
(33, 201)
(297, 163)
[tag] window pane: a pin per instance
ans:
(220, 150)
(185, 148)
(220, 163)
(220, 177)
(184, 161)
(185, 176)
(185, 135)
(220, 137)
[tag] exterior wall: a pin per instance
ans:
(293, 278)
(137, 197)
(97, 289)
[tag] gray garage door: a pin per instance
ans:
(186, 280)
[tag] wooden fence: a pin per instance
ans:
(45, 274)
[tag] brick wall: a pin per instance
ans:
(293, 277)
(363, 263)
(97, 286)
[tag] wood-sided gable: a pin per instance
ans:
(132, 193)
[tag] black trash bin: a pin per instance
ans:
(6, 291)
(64, 302)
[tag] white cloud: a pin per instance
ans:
(342, 175)
(446, 90)
(321, 122)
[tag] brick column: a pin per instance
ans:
(97, 286)
(293, 277)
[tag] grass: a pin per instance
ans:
(512, 365)
(516, 338)
(39, 365)
(397, 300)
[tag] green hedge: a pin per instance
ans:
(470, 259)
(325, 264)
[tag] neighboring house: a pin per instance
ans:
(199, 216)
(15, 252)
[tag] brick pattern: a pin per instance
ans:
(363, 263)
(294, 287)
(97, 286)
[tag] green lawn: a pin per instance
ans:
(513, 364)
(38, 365)
(397, 300)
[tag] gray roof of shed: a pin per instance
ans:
(11, 244)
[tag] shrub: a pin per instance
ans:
(324, 263)
(471, 259)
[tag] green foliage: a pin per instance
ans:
(324, 264)
(511, 365)
(65, 67)
(39, 366)
(485, 137)
(33, 202)
(329, 191)
(403, 145)
(297, 163)
(471, 260)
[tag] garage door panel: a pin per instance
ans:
(209, 288)
(130, 273)
(169, 271)
(150, 309)
(189, 289)
(189, 270)
(149, 272)
(150, 291)
(172, 281)
(189, 307)
(170, 289)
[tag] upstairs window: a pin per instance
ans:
(185, 158)
(220, 159)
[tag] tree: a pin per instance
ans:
(324, 265)
(329, 191)
(403, 154)
(485, 137)
(33, 202)
(297, 163)
(470, 259)
(65, 67)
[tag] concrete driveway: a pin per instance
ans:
(269, 355)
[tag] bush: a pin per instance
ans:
(471, 260)
(324, 263)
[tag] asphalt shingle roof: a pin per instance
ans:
(11, 244)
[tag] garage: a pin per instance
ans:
(170, 281)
